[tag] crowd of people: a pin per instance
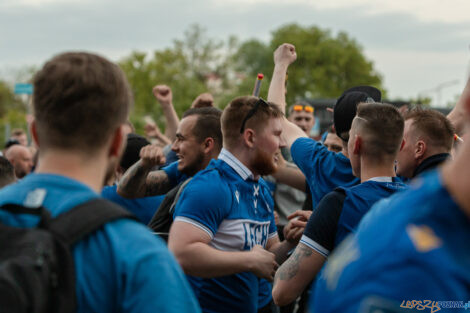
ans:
(240, 210)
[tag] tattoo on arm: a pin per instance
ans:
(291, 267)
(157, 183)
(133, 181)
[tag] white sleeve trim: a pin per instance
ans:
(271, 235)
(314, 245)
(195, 223)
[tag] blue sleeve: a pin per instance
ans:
(204, 202)
(174, 175)
(311, 156)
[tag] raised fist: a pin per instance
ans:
(285, 54)
(152, 155)
(163, 94)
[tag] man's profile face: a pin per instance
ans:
(303, 119)
(269, 142)
(333, 142)
(189, 150)
(406, 161)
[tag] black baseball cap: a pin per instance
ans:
(346, 106)
(132, 152)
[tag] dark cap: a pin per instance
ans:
(132, 152)
(11, 142)
(346, 106)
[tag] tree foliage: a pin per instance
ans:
(326, 66)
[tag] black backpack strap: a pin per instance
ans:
(177, 197)
(86, 218)
(19, 209)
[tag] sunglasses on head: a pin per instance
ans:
(306, 108)
(252, 112)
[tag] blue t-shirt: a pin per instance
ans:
(174, 174)
(142, 208)
(237, 213)
(414, 249)
(119, 268)
(324, 170)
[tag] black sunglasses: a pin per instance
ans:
(252, 112)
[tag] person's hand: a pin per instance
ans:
(292, 233)
(263, 263)
(152, 155)
(203, 100)
(285, 54)
(299, 218)
(163, 94)
(152, 130)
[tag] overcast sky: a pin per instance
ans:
(417, 45)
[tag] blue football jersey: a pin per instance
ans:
(237, 213)
(411, 253)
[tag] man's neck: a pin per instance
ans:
(90, 172)
(369, 171)
(456, 175)
(243, 157)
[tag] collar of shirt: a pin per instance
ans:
(382, 179)
(234, 163)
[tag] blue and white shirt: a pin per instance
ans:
(236, 211)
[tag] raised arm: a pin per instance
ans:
(457, 115)
(164, 96)
(140, 181)
(283, 56)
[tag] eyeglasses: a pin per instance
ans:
(306, 108)
(252, 112)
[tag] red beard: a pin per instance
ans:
(263, 163)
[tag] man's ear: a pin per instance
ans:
(118, 142)
(208, 145)
(420, 149)
(34, 132)
(357, 144)
(249, 137)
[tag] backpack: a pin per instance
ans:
(37, 273)
(163, 217)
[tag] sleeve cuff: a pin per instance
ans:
(195, 223)
(314, 246)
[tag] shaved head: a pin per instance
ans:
(21, 158)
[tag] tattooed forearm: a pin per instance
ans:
(290, 268)
(157, 183)
(132, 183)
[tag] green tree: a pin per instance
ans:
(12, 111)
(326, 65)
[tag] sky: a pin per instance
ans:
(420, 47)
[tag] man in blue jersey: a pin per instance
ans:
(81, 102)
(374, 140)
(224, 234)
(412, 254)
(198, 140)
(323, 169)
